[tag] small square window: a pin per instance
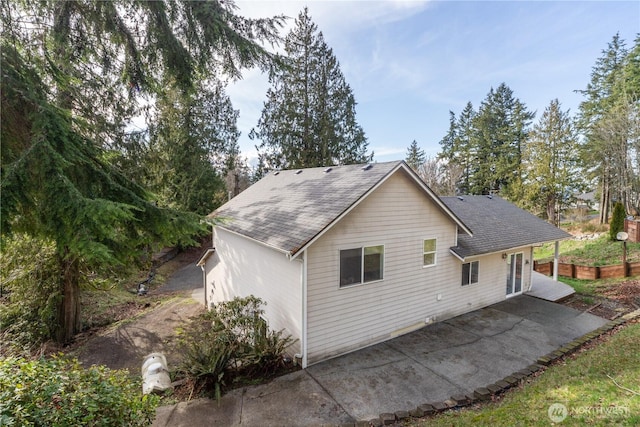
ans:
(429, 252)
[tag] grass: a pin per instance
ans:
(598, 252)
(583, 383)
(106, 304)
(591, 287)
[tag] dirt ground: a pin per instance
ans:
(613, 303)
(153, 328)
(125, 344)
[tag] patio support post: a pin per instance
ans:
(555, 261)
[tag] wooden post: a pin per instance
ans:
(555, 261)
(625, 267)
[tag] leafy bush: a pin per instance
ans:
(231, 342)
(59, 392)
(617, 220)
(28, 310)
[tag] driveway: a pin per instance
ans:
(429, 365)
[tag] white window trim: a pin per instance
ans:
(435, 253)
(362, 282)
(470, 271)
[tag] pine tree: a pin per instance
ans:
(617, 221)
(458, 149)
(415, 156)
(73, 72)
(57, 186)
(192, 136)
(500, 129)
(550, 158)
(595, 111)
(309, 117)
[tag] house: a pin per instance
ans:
(349, 256)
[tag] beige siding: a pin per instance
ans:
(398, 216)
(241, 267)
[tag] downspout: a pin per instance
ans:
(556, 257)
(304, 310)
(302, 356)
(530, 268)
(204, 283)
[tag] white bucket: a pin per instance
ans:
(155, 374)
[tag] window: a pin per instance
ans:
(361, 265)
(470, 273)
(429, 252)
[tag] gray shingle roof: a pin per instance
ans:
(498, 225)
(287, 209)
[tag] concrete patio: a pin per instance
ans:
(448, 358)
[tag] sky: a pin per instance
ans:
(410, 62)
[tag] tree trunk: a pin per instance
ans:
(69, 307)
(551, 210)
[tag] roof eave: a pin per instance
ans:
(507, 249)
(401, 165)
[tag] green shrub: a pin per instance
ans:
(28, 309)
(59, 392)
(231, 342)
(617, 220)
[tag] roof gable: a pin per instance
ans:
(498, 225)
(289, 209)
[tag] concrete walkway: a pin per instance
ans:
(548, 289)
(432, 364)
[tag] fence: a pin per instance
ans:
(590, 273)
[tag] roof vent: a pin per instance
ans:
(327, 170)
(367, 167)
(299, 171)
(276, 172)
(460, 198)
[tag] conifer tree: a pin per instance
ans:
(415, 156)
(609, 121)
(191, 138)
(458, 149)
(617, 221)
(73, 72)
(551, 162)
(500, 129)
(309, 117)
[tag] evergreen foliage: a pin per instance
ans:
(500, 131)
(73, 73)
(487, 145)
(309, 118)
(609, 120)
(57, 185)
(617, 221)
(551, 163)
(415, 156)
(191, 137)
(458, 147)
